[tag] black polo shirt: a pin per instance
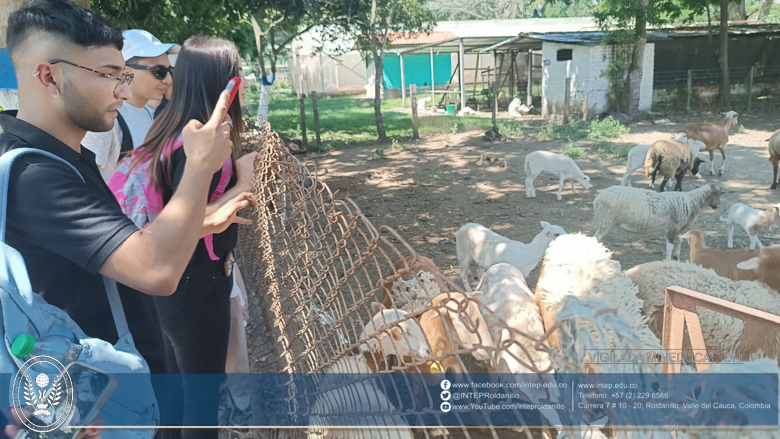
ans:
(66, 229)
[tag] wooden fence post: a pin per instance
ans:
(750, 87)
(316, 118)
(567, 101)
(415, 121)
(303, 120)
(690, 90)
(495, 104)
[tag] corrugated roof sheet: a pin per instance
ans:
(410, 39)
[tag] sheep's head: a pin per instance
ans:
(714, 198)
(402, 338)
(551, 231)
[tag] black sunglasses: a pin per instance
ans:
(160, 72)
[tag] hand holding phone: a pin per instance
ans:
(209, 144)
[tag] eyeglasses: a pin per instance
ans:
(124, 78)
(160, 72)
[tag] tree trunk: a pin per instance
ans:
(724, 93)
(766, 7)
(259, 42)
(634, 78)
(378, 75)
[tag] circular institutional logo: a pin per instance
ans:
(42, 401)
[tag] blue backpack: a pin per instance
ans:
(133, 402)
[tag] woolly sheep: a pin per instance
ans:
(774, 155)
(354, 395)
(719, 330)
(578, 265)
(642, 211)
(753, 221)
(564, 167)
(670, 158)
(723, 262)
(485, 247)
(714, 135)
(506, 294)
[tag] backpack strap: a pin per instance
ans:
(127, 138)
(6, 162)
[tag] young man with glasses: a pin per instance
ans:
(147, 59)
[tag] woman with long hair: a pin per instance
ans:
(196, 319)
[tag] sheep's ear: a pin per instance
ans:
(685, 235)
(544, 224)
(475, 295)
(750, 264)
(376, 307)
(397, 333)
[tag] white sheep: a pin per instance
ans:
(753, 221)
(774, 155)
(515, 318)
(466, 110)
(392, 331)
(486, 247)
(714, 135)
(634, 161)
(643, 211)
(720, 331)
(578, 265)
(723, 262)
(564, 167)
(351, 396)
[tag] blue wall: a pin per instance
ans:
(417, 70)
(7, 77)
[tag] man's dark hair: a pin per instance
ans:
(64, 18)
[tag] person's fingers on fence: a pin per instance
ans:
(245, 169)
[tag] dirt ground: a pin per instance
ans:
(427, 194)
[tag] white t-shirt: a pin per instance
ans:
(139, 121)
(107, 147)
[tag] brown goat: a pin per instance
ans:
(714, 135)
(722, 262)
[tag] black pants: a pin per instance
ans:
(196, 321)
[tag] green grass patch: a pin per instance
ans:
(570, 132)
(575, 152)
(606, 129)
(608, 149)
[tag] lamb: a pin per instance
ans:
(507, 295)
(774, 155)
(564, 167)
(723, 262)
(714, 135)
(643, 211)
(719, 330)
(634, 161)
(392, 331)
(671, 158)
(485, 247)
(753, 221)
(580, 266)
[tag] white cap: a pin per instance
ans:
(142, 44)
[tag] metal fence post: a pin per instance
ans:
(303, 120)
(690, 90)
(415, 121)
(495, 104)
(750, 87)
(316, 117)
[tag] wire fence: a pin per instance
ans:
(751, 88)
(320, 269)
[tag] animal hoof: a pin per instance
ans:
(774, 186)
(698, 176)
(712, 173)
(720, 172)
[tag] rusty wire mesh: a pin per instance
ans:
(316, 264)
